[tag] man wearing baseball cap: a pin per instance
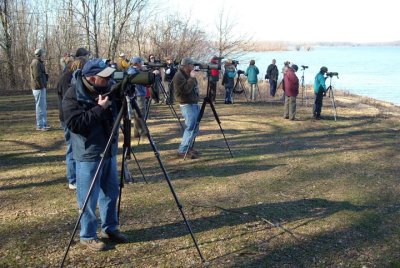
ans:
(187, 94)
(90, 118)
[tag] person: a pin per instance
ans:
(251, 73)
(39, 79)
(90, 122)
(169, 73)
(187, 94)
(291, 92)
(63, 84)
(272, 76)
(285, 67)
(228, 80)
(136, 64)
(154, 90)
(64, 60)
(123, 63)
(319, 90)
(214, 77)
(82, 52)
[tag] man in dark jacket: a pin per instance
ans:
(272, 76)
(169, 73)
(63, 84)
(187, 94)
(90, 122)
(38, 84)
(291, 92)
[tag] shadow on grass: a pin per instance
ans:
(275, 212)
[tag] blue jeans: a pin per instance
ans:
(228, 94)
(71, 166)
(272, 87)
(41, 107)
(105, 192)
(190, 112)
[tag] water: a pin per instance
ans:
(372, 71)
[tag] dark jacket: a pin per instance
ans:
(64, 82)
(228, 80)
(89, 123)
(38, 74)
(291, 83)
(172, 70)
(272, 72)
(187, 90)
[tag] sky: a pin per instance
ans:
(300, 20)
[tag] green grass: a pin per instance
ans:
(295, 194)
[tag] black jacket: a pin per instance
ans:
(89, 123)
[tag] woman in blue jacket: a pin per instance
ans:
(251, 73)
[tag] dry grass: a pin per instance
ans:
(296, 194)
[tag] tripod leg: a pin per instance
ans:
(220, 127)
(171, 107)
(180, 206)
(333, 104)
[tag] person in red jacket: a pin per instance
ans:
(213, 80)
(291, 91)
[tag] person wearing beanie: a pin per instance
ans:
(319, 90)
(291, 92)
(90, 117)
(39, 80)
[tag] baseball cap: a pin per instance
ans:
(294, 67)
(39, 52)
(187, 61)
(97, 67)
(136, 60)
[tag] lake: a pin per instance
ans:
(372, 71)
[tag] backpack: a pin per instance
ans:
(231, 74)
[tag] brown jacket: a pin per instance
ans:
(38, 74)
(187, 90)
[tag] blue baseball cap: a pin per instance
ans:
(136, 60)
(97, 67)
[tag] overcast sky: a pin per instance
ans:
(302, 21)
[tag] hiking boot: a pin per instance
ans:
(195, 152)
(115, 236)
(94, 244)
(42, 129)
(72, 186)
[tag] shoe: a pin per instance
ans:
(72, 186)
(94, 244)
(189, 155)
(47, 127)
(286, 117)
(42, 129)
(115, 236)
(195, 152)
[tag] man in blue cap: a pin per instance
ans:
(90, 118)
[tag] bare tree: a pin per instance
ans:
(230, 43)
(6, 41)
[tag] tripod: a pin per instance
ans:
(239, 88)
(303, 88)
(206, 100)
(168, 102)
(330, 91)
(127, 104)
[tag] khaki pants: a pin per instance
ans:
(290, 108)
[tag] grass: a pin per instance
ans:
(296, 194)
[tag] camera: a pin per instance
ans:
(239, 72)
(235, 62)
(331, 74)
(304, 66)
(141, 78)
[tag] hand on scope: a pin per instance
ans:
(103, 102)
